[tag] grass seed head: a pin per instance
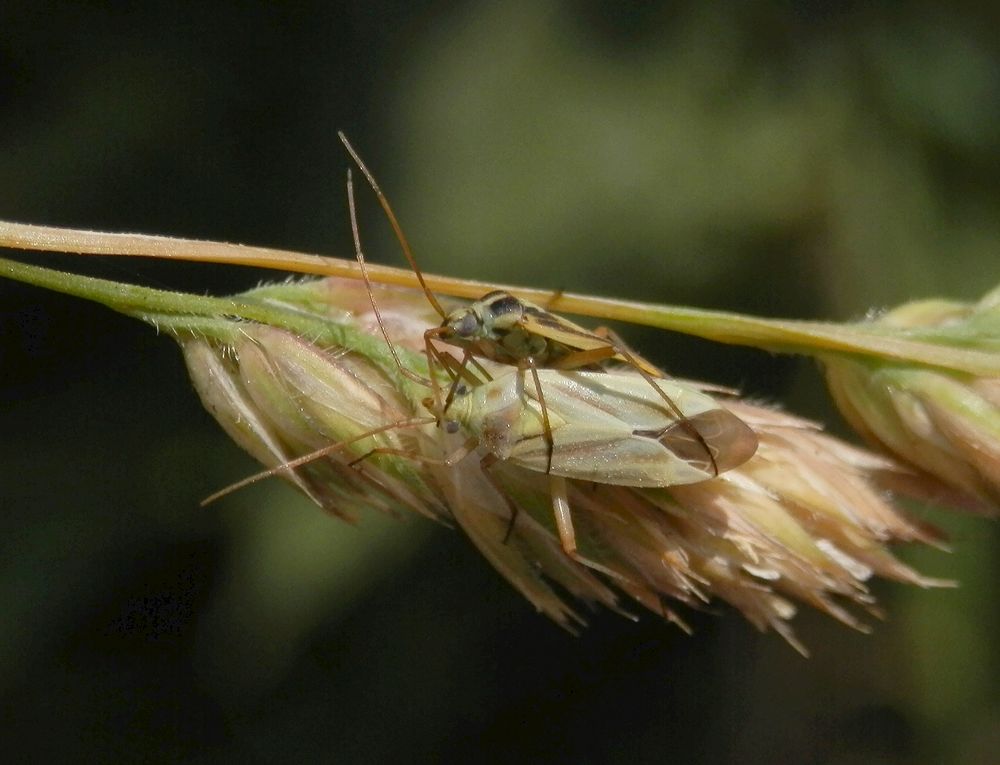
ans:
(805, 520)
(945, 422)
(281, 397)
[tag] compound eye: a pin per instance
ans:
(468, 326)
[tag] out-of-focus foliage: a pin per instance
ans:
(808, 160)
(852, 142)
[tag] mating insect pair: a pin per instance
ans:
(580, 419)
(594, 411)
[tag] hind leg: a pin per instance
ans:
(564, 525)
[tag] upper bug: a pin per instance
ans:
(509, 330)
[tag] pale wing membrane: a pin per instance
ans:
(613, 457)
(606, 428)
(628, 399)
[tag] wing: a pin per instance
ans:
(614, 428)
(632, 400)
(613, 456)
(579, 346)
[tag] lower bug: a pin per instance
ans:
(605, 427)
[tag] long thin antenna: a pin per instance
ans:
(368, 284)
(312, 456)
(400, 236)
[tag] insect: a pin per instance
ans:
(606, 427)
(508, 330)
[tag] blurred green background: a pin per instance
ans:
(805, 159)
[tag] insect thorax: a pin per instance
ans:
(492, 327)
(492, 315)
(520, 345)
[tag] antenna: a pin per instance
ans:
(305, 459)
(393, 222)
(368, 285)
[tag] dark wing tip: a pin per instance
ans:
(731, 441)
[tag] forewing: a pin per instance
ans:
(628, 400)
(538, 321)
(613, 456)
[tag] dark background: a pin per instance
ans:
(800, 159)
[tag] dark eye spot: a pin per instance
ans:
(466, 326)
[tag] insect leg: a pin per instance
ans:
(642, 367)
(564, 521)
(549, 440)
(559, 491)
(681, 418)
(456, 380)
(621, 347)
(614, 348)
(553, 298)
(485, 464)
